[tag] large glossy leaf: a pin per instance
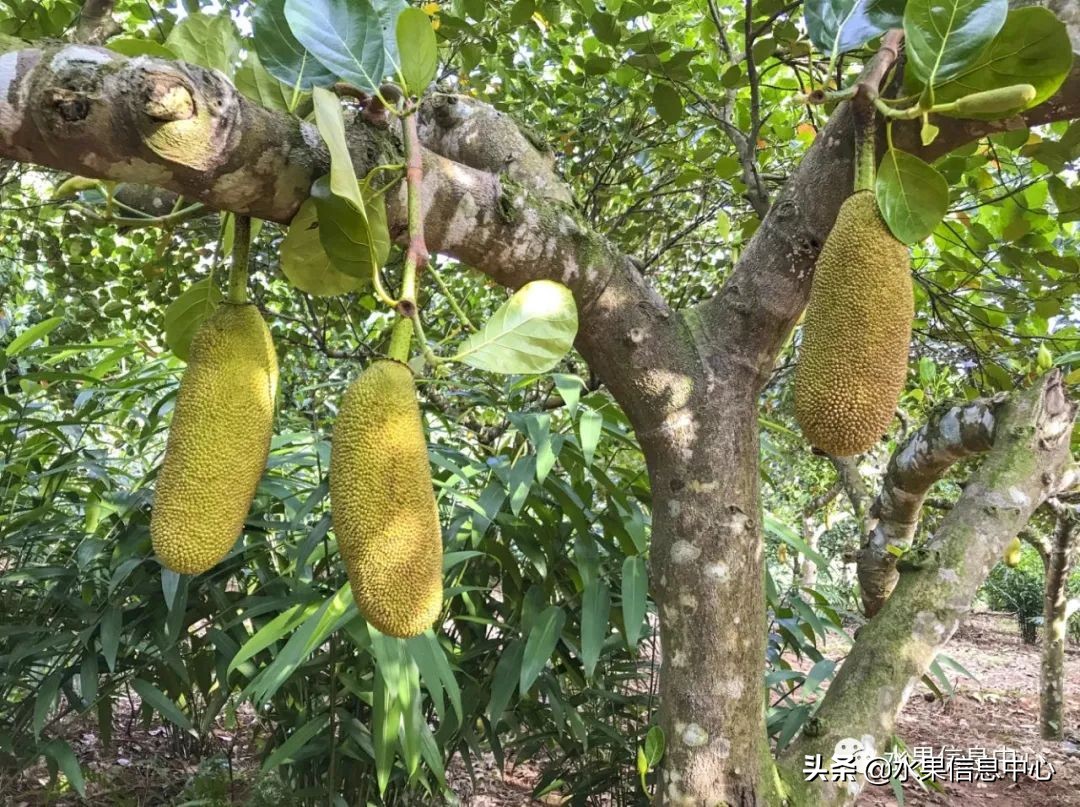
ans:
(1032, 48)
(281, 54)
(187, 312)
(943, 37)
(417, 52)
(354, 241)
(258, 85)
(529, 333)
(346, 36)
(305, 262)
(635, 586)
(911, 195)
(207, 41)
(837, 26)
(540, 644)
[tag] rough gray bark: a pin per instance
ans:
(1026, 465)
(1058, 562)
(949, 436)
(688, 381)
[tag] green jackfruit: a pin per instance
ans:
(997, 101)
(218, 440)
(383, 505)
(853, 359)
(1012, 553)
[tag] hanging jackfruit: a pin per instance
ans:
(383, 505)
(1012, 553)
(853, 359)
(218, 440)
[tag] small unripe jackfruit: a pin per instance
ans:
(853, 359)
(1012, 553)
(383, 505)
(997, 101)
(218, 440)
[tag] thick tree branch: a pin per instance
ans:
(96, 23)
(1025, 465)
(948, 437)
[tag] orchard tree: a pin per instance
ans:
(662, 139)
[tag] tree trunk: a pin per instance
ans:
(1058, 563)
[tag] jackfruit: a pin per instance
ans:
(382, 502)
(218, 440)
(997, 101)
(854, 353)
(1012, 553)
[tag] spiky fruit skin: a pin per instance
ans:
(383, 505)
(854, 355)
(219, 439)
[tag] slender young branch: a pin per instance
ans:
(416, 253)
(238, 272)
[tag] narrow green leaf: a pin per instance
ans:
(331, 123)
(296, 742)
(595, 605)
(635, 586)
(590, 425)
(540, 645)
(45, 700)
(32, 334)
(505, 679)
(159, 701)
(111, 621)
(60, 753)
(273, 631)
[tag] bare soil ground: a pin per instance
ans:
(997, 709)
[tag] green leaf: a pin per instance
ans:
(187, 313)
(158, 700)
(296, 742)
(635, 586)
(655, 743)
(540, 645)
(346, 36)
(943, 37)
(354, 240)
(32, 334)
(111, 621)
(505, 679)
(281, 54)
(595, 605)
(45, 700)
(417, 49)
(606, 28)
(668, 103)
(331, 123)
(529, 333)
(305, 262)
(837, 26)
(132, 46)
(590, 425)
(258, 85)
(208, 41)
(911, 195)
(274, 630)
(435, 672)
(60, 753)
(1032, 47)
(778, 529)
(818, 673)
(521, 12)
